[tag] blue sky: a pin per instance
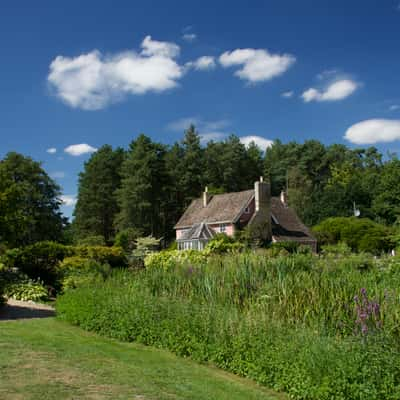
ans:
(93, 72)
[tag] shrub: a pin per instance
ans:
(222, 243)
(127, 239)
(38, 261)
(360, 234)
(114, 256)
(78, 271)
(169, 259)
(143, 247)
(27, 290)
(94, 240)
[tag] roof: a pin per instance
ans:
(225, 207)
(198, 231)
(289, 225)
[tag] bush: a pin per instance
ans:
(360, 234)
(94, 240)
(169, 259)
(38, 261)
(127, 239)
(78, 271)
(114, 256)
(27, 290)
(222, 243)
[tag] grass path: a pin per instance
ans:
(47, 359)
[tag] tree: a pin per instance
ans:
(97, 205)
(192, 166)
(143, 188)
(29, 202)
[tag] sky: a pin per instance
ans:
(79, 74)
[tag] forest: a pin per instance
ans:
(146, 187)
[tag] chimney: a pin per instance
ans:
(261, 221)
(262, 194)
(284, 198)
(206, 197)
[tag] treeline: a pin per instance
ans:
(145, 188)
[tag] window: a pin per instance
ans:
(222, 228)
(247, 210)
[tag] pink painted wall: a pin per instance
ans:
(179, 233)
(229, 228)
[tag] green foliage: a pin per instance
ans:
(360, 234)
(168, 259)
(27, 290)
(93, 240)
(29, 203)
(97, 206)
(222, 243)
(144, 246)
(287, 322)
(38, 261)
(113, 256)
(78, 271)
(127, 238)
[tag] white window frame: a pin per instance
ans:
(222, 228)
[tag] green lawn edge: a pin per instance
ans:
(49, 359)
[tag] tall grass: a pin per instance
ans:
(291, 322)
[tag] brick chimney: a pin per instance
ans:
(206, 197)
(261, 221)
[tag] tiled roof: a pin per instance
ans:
(288, 225)
(221, 208)
(198, 231)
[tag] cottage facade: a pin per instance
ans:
(270, 217)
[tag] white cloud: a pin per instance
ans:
(52, 150)
(394, 107)
(92, 81)
(189, 37)
(68, 200)
(79, 149)
(258, 65)
(261, 142)
(58, 174)
(208, 130)
(156, 48)
(337, 90)
(374, 131)
(202, 63)
(287, 94)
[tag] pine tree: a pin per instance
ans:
(143, 188)
(97, 204)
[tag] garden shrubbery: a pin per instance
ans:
(360, 234)
(314, 327)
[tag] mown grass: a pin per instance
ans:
(45, 359)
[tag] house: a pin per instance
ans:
(270, 218)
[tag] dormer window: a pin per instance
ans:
(247, 210)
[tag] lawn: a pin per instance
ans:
(48, 359)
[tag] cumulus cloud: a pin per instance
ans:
(287, 94)
(189, 37)
(51, 150)
(257, 65)
(68, 200)
(79, 149)
(338, 90)
(202, 63)
(374, 131)
(260, 141)
(92, 81)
